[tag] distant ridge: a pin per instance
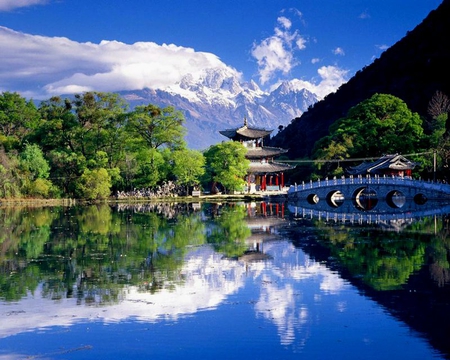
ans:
(219, 101)
(413, 69)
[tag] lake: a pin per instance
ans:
(221, 281)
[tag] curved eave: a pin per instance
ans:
(228, 133)
(245, 133)
(263, 152)
(253, 133)
(267, 168)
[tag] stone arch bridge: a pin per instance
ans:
(366, 193)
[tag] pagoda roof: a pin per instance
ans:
(392, 162)
(263, 152)
(245, 132)
(259, 168)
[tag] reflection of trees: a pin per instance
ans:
(386, 259)
(24, 232)
(92, 252)
(383, 260)
(439, 253)
(229, 231)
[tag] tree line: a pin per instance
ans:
(92, 145)
(383, 124)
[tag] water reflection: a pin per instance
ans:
(166, 262)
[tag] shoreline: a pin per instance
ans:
(191, 199)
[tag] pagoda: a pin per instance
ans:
(264, 174)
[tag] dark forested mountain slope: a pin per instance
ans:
(413, 69)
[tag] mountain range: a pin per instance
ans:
(413, 69)
(218, 100)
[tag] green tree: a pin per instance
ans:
(58, 124)
(9, 182)
(151, 168)
(35, 172)
(226, 164)
(188, 167)
(382, 124)
(97, 114)
(33, 161)
(157, 127)
(67, 167)
(84, 133)
(439, 136)
(18, 117)
(94, 184)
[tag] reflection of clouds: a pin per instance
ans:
(293, 288)
(278, 305)
(209, 279)
(288, 308)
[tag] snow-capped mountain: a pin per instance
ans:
(217, 100)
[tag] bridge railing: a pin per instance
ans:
(367, 180)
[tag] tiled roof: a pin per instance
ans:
(261, 168)
(263, 152)
(394, 162)
(245, 132)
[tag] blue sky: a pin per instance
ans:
(51, 47)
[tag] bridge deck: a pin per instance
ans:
(383, 193)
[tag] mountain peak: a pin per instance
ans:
(217, 99)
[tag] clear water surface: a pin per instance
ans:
(220, 281)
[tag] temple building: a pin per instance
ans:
(389, 165)
(264, 173)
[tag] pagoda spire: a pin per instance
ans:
(245, 120)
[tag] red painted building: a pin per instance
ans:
(264, 173)
(389, 165)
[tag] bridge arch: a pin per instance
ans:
(420, 199)
(365, 198)
(313, 199)
(395, 199)
(335, 198)
(364, 193)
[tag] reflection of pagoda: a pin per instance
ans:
(264, 173)
(262, 219)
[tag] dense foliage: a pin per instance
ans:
(91, 146)
(97, 250)
(226, 164)
(380, 125)
(94, 252)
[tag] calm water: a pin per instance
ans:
(220, 281)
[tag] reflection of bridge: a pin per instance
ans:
(379, 195)
(392, 220)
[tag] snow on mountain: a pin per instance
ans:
(218, 99)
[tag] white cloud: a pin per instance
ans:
(315, 60)
(285, 22)
(339, 51)
(39, 66)
(364, 15)
(382, 47)
(331, 78)
(7, 5)
(276, 53)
